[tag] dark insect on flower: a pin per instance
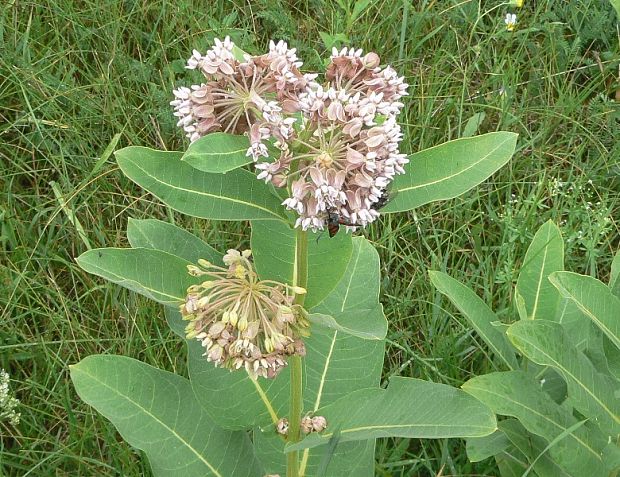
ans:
(385, 197)
(333, 223)
(335, 220)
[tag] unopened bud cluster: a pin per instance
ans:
(8, 403)
(241, 321)
(336, 139)
(307, 425)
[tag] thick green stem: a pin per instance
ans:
(296, 402)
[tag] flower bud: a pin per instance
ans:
(319, 423)
(204, 263)
(306, 425)
(282, 426)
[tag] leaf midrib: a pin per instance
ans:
(535, 412)
(163, 424)
(574, 378)
(462, 171)
(202, 193)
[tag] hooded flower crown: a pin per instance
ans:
(241, 321)
(337, 140)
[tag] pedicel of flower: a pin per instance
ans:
(241, 321)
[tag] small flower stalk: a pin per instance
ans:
(8, 403)
(332, 141)
(243, 322)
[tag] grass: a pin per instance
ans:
(78, 79)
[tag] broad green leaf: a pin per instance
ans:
(335, 364)
(578, 326)
(544, 256)
(614, 278)
(594, 299)
(151, 233)
(175, 321)
(515, 394)
(155, 411)
(237, 195)
(511, 463)
(481, 448)
(353, 305)
(273, 248)
(592, 393)
(534, 447)
(157, 275)
(218, 153)
(612, 357)
(409, 407)
(479, 315)
(450, 169)
(350, 458)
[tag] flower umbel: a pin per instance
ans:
(238, 95)
(241, 321)
(347, 146)
(8, 403)
(336, 141)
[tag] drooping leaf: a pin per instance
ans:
(481, 448)
(218, 153)
(353, 305)
(450, 169)
(515, 394)
(237, 195)
(594, 299)
(407, 408)
(592, 393)
(534, 448)
(157, 275)
(273, 248)
(155, 411)
(511, 463)
(158, 235)
(544, 256)
(479, 315)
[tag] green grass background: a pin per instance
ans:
(81, 78)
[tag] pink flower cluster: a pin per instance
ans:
(337, 141)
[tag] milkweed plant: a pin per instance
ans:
(285, 338)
